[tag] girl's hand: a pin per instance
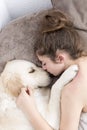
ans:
(25, 101)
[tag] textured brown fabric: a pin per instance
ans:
(18, 37)
(77, 9)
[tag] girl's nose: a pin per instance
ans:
(44, 67)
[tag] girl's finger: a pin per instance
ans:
(23, 90)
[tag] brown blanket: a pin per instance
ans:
(77, 9)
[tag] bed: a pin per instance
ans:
(18, 36)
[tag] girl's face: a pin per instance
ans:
(54, 68)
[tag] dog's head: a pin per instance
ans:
(21, 73)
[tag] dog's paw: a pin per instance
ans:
(69, 74)
(72, 70)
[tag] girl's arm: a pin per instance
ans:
(71, 107)
(26, 102)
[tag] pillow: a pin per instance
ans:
(4, 14)
(77, 10)
(18, 37)
(11, 9)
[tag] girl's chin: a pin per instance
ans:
(57, 74)
(54, 74)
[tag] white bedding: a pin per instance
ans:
(11, 9)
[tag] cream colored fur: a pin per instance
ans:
(21, 73)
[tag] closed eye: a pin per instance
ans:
(32, 71)
(43, 64)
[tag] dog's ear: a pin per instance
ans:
(12, 84)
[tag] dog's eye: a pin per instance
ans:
(32, 71)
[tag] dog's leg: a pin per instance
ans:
(53, 115)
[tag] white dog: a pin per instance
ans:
(21, 73)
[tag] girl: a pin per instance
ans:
(58, 47)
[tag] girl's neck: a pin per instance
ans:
(70, 62)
